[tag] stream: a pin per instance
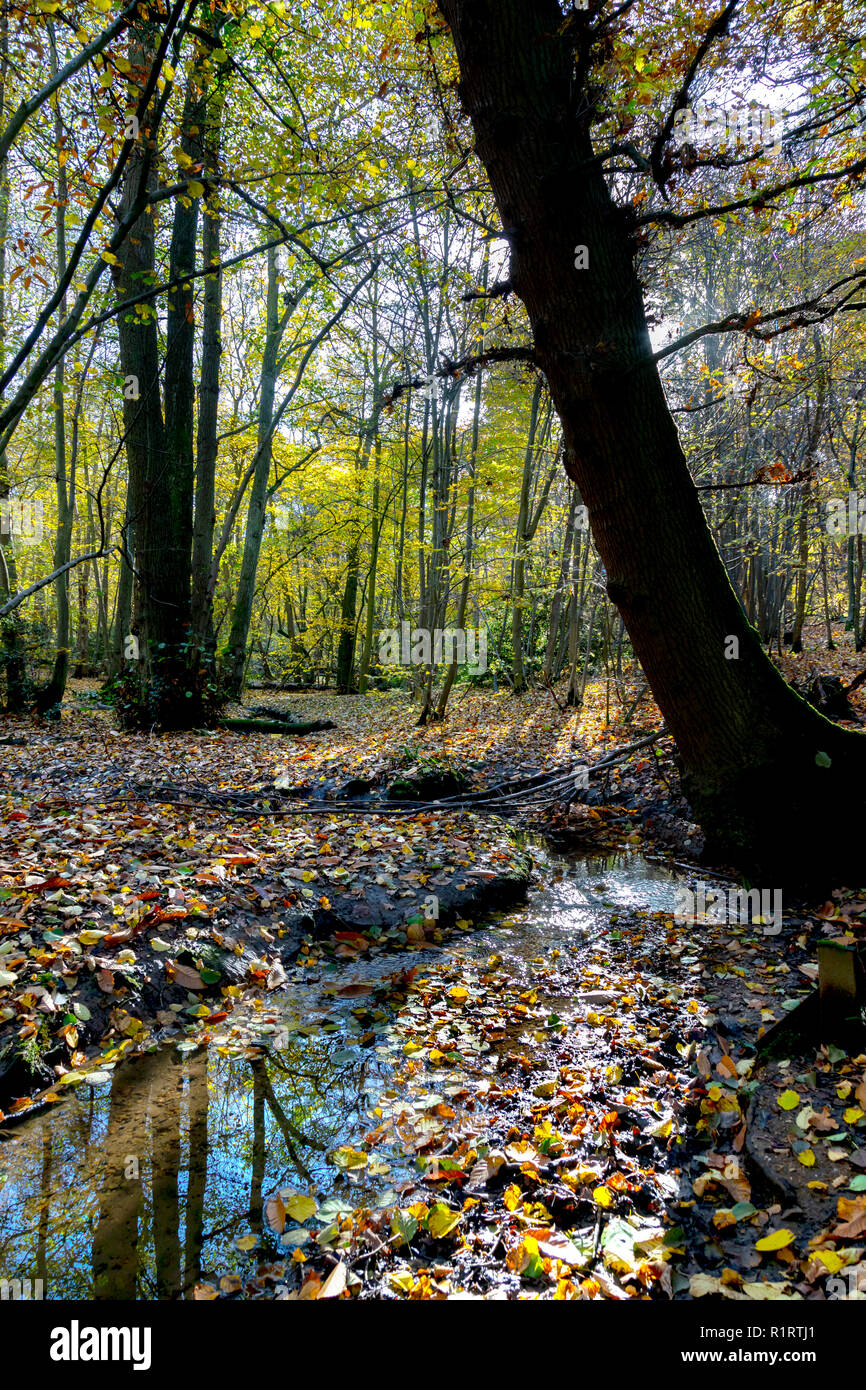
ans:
(156, 1174)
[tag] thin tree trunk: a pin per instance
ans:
(275, 325)
(11, 654)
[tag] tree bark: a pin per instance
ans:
(276, 321)
(12, 664)
(160, 685)
(748, 744)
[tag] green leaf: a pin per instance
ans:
(404, 1225)
(301, 1208)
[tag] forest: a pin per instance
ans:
(433, 653)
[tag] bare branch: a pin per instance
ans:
(717, 29)
(467, 366)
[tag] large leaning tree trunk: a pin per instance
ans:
(778, 789)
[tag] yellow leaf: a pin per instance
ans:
(347, 1157)
(789, 1100)
(442, 1221)
(829, 1259)
(302, 1208)
(777, 1240)
(196, 190)
(247, 1242)
(853, 1115)
(807, 1158)
(603, 1196)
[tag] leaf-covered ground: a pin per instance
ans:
(591, 1123)
(595, 1125)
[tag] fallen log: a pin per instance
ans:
(277, 726)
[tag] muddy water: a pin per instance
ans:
(156, 1176)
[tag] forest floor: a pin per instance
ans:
(595, 1123)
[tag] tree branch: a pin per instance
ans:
(717, 29)
(467, 366)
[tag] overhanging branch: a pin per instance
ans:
(466, 367)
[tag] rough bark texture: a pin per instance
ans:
(160, 480)
(747, 742)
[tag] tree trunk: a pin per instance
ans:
(521, 542)
(551, 667)
(159, 689)
(207, 446)
(50, 695)
(802, 581)
(12, 664)
(276, 321)
(748, 744)
(378, 523)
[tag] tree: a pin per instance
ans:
(767, 776)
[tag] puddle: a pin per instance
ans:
(146, 1184)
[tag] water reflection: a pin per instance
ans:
(138, 1188)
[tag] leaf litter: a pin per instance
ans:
(589, 1123)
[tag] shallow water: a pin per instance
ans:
(143, 1184)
